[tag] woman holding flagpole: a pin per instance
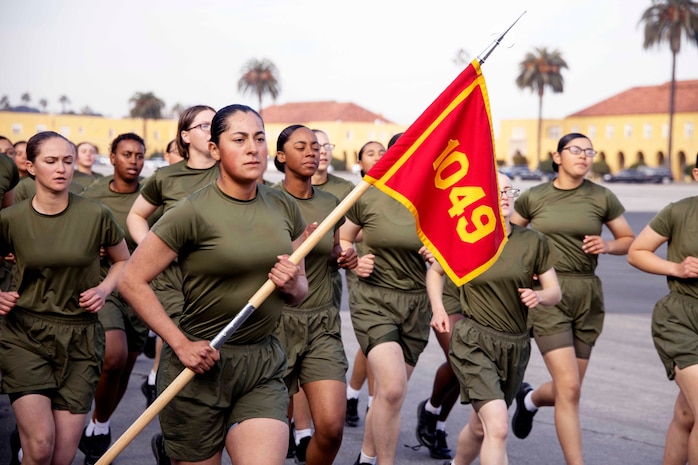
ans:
(490, 346)
(230, 237)
(565, 333)
(389, 311)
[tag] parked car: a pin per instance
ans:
(522, 172)
(642, 174)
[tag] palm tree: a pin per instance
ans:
(667, 21)
(64, 101)
(146, 105)
(540, 70)
(26, 98)
(43, 103)
(260, 77)
(5, 102)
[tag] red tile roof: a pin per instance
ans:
(647, 100)
(303, 112)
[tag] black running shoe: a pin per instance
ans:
(158, 446)
(426, 425)
(149, 391)
(301, 449)
(291, 451)
(360, 463)
(440, 449)
(94, 446)
(149, 346)
(522, 421)
(352, 418)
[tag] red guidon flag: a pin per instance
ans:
(443, 170)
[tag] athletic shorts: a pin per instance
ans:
(312, 339)
(60, 356)
(118, 315)
(5, 276)
(380, 315)
(675, 331)
(168, 289)
(578, 316)
(489, 364)
(247, 382)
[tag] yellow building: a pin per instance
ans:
(630, 127)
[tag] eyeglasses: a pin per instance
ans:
(574, 150)
(511, 193)
(328, 146)
(203, 126)
(13, 153)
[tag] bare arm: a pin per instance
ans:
(137, 219)
(550, 294)
(289, 277)
(518, 220)
(349, 234)
(435, 289)
(149, 259)
(93, 299)
(8, 199)
(623, 236)
(642, 255)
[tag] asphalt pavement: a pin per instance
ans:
(626, 405)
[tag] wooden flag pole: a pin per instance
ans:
(255, 301)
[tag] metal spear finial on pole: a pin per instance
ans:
(486, 53)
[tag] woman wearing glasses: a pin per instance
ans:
(571, 211)
(490, 346)
(164, 188)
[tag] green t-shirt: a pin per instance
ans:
(226, 248)
(492, 298)
(317, 265)
(679, 222)
(117, 202)
(390, 233)
(339, 187)
(57, 255)
(566, 216)
(172, 183)
(84, 179)
(26, 189)
(9, 175)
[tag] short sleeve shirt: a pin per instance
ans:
(172, 183)
(226, 248)
(566, 216)
(390, 233)
(492, 298)
(9, 175)
(26, 189)
(679, 222)
(339, 187)
(57, 255)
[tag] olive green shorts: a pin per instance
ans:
(168, 289)
(247, 382)
(576, 321)
(5, 276)
(58, 356)
(380, 315)
(117, 315)
(489, 364)
(675, 331)
(451, 297)
(312, 339)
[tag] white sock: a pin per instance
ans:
(352, 393)
(528, 402)
(90, 428)
(20, 455)
(366, 459)
(431, 409)
(151, 333)
(302, 433)
(101, 428)
(370, 401)
(441, 425)
(151, 377)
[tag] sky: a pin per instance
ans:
(390, 57)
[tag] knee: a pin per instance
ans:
(569, 392)
(498, 430)
(114, 362)
(683, 417)
(393, 393)
(39, 449)
(329, 433)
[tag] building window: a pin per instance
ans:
(40, 127)
(575, 128)
(111, 134)
(349, 135)
(554, 132)
(518, 133)
(628, 131)
(647, 131)
(156, 135)
(65, 131)
(609, 131)
(16, 129)
(688, 130)
(371, 135)
(665, 131)
(592, 131)
(81, 130)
